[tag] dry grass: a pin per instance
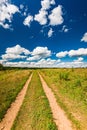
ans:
(11, 82)
(70, 88)
(35, 113)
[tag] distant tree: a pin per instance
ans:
(1, 66)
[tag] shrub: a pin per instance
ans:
(78, 83)
(64, 76)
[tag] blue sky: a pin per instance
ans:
(43, 33)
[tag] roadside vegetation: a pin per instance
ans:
(35, 113)
(11, 82)
(70, 88)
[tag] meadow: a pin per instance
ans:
(70, 89)
(11, 82)
(35, 113)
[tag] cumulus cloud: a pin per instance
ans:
(79, 52)
(7, 10)
(41, 17)
(56, 16)
(50, 32)
(16, 52)
(61, 54)
(73, 53)
(84, 38)
(46, 4)
(39, 53)
(28, 20)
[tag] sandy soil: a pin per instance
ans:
(59, 116)
(12, 112)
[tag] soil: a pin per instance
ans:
(59, 116)
(12, 112)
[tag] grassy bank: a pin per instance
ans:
(70, 88)
(11, 82)
(35, 113)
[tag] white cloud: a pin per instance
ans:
(79, 52)
(84, 38)
(46, 4)
(28, 20)
(7, 11)
(73, 53)
(80, 59)
(50, 32)
(61, 54)
(21, 6)
(41, 17)
(12, 56)
(71, 64)
(56, 16)
(65, 29)
(16, 52)
(39, 53)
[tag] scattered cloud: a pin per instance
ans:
(61, 54)
(80, 59)
(7, 10)
(41, 17)
(73, 53)
(56, 16)
(28, 20)
(65, 29)
(50, 32)
(84, 38)
(46, 4)
(18, 56)
(79, 52)
(21, 6)
(39, 53)
(16, 52)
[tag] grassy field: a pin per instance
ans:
(35, 113)
(11, 82)
(70, 88)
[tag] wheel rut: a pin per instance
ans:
(12, 112)
(61, 120)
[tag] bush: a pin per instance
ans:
(64, 76)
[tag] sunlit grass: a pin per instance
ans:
(70, 88)
(11, 82)
(35, 113)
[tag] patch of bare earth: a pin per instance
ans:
(61, 120)
(12, 112)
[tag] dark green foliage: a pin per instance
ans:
(64, 76)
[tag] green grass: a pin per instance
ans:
(35, 113)
(11, 82)
(70, 88)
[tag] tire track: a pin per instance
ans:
(62, 122)
(12, 112)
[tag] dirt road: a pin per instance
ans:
(59, 116)
(12, 112)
